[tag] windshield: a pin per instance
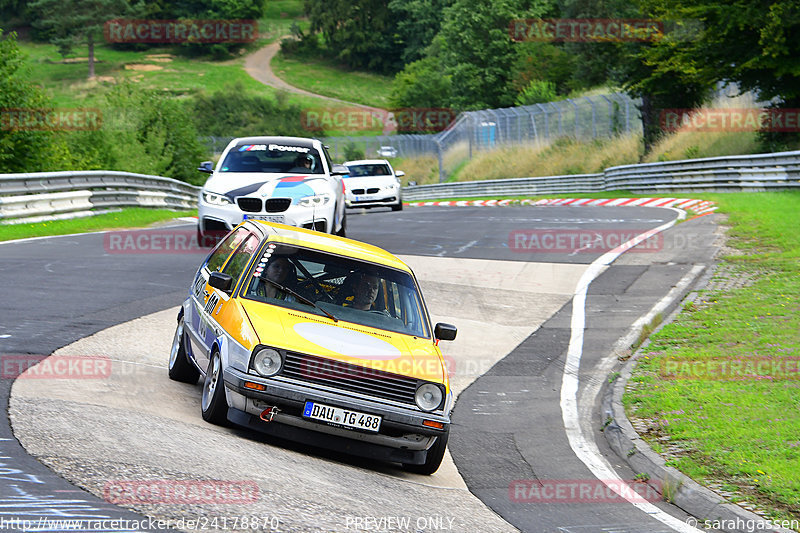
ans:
(272, 158)
(353, 291)
(376, 169)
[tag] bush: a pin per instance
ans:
(234, 112)
(144, 132)
(421, 84)
(537, 92)
(21, 151)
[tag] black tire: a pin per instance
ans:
(399, 206)
(434, 458)
(213, 405)
(180, 369)
(343, 231)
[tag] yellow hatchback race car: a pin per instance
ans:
(317, 339)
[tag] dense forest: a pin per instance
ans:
(464, 54)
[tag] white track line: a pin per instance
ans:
(586, 449)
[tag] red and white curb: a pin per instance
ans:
(698, 206)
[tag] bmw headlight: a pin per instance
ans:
(315, 201)
(428, 396)
(215, 199)
(267, 362)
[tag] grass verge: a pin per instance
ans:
(134, 217)
(721, 383)
(561, 157)
(326, 77)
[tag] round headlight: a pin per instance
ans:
(267, 362)
(428, 397)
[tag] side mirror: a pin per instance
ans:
(444, 332)
(339, 170)
(399, 173)
(207, 167)
(223, 282)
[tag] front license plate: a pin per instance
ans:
(342, 417)
(269, 218)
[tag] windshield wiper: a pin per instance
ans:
(301, 299)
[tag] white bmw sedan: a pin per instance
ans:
(373, 183)
(289, 180)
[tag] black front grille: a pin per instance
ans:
(251, 205)
(373, 190)
(350, 378)
(277, 205)
(358, 191)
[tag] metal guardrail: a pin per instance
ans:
(579, 183)
(24, 196)
(45, 194)
(759, 172)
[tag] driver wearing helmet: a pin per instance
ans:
(302, 163)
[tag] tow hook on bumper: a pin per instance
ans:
(268, 414)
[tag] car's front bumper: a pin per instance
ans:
(211, 217)
(402, 436)
(383, 198)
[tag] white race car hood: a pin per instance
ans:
(278, 185)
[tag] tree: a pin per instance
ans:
(653, 72)
(75, 22)
(20, 150)
(477, 52)
(422, 83)
(418, 22)
(753, 44)
(361, 33)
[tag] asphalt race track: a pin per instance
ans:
(499, 274)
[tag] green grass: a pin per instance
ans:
(742, 432)
(330, 79)
(134, 217)
(279, 17)
(66, 83)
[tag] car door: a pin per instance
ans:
(205, 298)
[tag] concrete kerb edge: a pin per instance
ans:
(697, 500)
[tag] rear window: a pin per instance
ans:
(276, 158)
(377, 169)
